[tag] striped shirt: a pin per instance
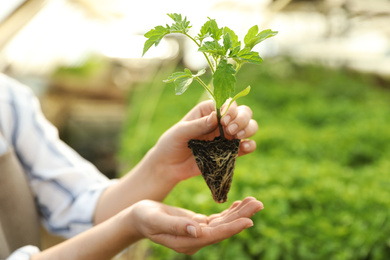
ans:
(66, 187)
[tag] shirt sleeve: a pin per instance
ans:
(66, 186)
(24, 253)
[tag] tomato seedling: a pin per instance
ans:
(225, 56)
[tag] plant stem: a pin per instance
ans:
(205, 86)
(207, 58)
(221, 133)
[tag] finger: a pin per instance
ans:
(246, 209)
(225, 212)
(180, 212)
(230, 114)
(246, 146)
(210, 235)
(249, 203)
(200, 218)
(223, 231)
(236, 205)
(195, 128)
(175, 226)
(204, 108)
(249, 130)
(240, 122)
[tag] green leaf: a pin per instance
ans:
(213, 48)
(154, 37)
(227, 43)
(176, 75)
(216, 33)
(252, 38)
(180, 25)
(224, 82)
(233, 37)
(204, 31)
(181, 85)
(249, 56)
(243, 93)
(183, 80)
(200, 73)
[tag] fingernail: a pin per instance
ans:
(191, 230)
(232, 129)
(249, 225)
(209, 120)
(245, 145)
(226, 119)
(241, 135)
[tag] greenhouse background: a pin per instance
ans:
(321, 98)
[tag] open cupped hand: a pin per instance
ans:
(185, 231)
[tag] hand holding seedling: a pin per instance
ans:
(225, 56)
(201, 123)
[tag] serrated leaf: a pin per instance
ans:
(249, 56)
(183, 80)
(233, 37)
(215, 32)
(175, 17)
(227, 43)
(253, 38)
(212, 48)
(224, 82)
(180, 25)
(154, 37)
(182, 84)
(233, 53)
(157, 33)
(176, 75)
(204, 31)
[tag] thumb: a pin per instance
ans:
(198, 127)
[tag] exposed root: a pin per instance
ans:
(216, 160)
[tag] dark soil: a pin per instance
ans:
(216, 160)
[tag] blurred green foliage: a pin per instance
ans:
(322, 166)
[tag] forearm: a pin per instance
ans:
(103, 241)
(148, 180)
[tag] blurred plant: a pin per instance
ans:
(321, 167)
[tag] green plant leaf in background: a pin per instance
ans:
(321, 167)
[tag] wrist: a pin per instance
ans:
(129, 221)
(159, 169)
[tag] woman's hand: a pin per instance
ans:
(181, 230)
(185, 231)
(201, 123)
(171, 161)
